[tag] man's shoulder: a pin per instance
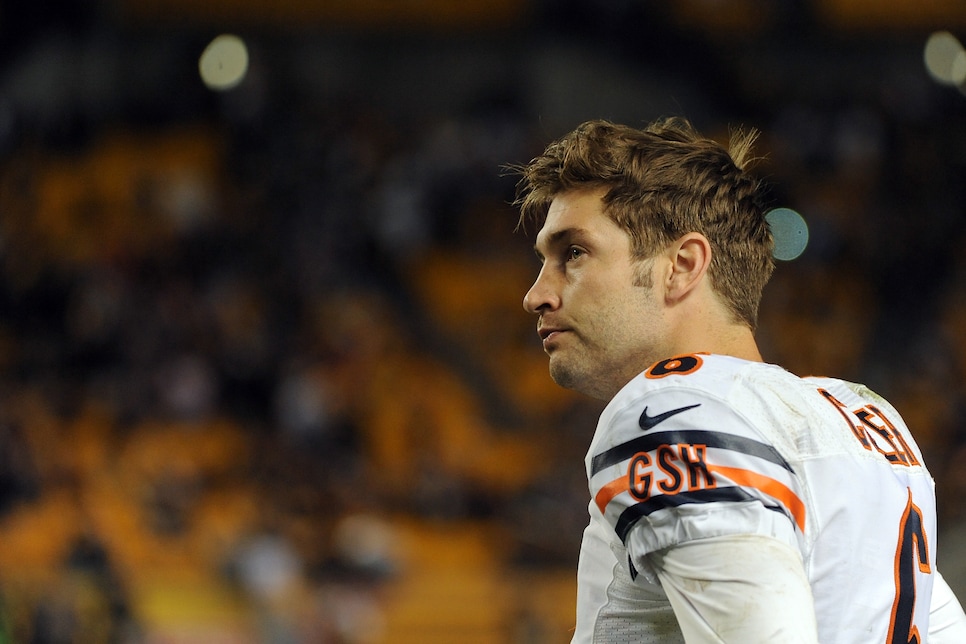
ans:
(678, 442)
(709, 374)
(724, 398)
(691, 392)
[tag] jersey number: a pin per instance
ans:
(911, 553)
(681, 365)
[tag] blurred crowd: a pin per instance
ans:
(243, 334)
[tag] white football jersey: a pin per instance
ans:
(707, 445)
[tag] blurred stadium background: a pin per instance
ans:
(265, 372)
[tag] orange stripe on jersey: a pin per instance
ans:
(747, 478)
(609, 491)
(771, 487)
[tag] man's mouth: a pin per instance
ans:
(549, 334)
(545, 333)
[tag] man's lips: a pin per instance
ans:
(547, 334)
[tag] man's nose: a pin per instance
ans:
(542, 295)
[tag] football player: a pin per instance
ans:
(730, 500)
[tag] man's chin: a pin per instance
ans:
(561, 374)
(566, 376)
(582, 382)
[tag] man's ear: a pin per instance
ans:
(690, 257)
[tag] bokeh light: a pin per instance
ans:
(790, 232)
(945, 58)
(224, 62)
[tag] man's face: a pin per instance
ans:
(599, 326)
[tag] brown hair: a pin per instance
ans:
(662, 182)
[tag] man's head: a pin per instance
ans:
(660, 183)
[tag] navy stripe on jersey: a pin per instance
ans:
(631, 515)
(650, 442)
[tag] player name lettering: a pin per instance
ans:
(875, 432)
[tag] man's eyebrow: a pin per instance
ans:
(558, 237)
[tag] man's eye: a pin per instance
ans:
(574, 253)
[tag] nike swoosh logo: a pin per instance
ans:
(649, 422)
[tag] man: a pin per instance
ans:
(730, 500)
